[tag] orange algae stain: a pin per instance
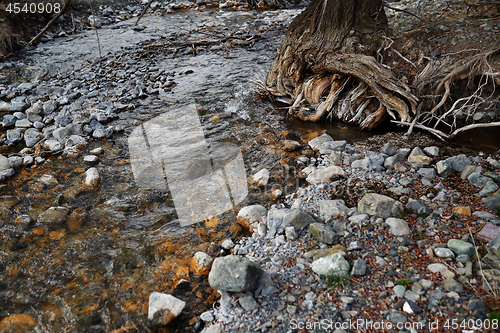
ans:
(17, 323)
(130, 307)
(90, 309)
(57, 235)
(39, 230)
(463, 211)
(212, 222)
(124, 328)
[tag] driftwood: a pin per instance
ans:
(42, 32)
(143, 12)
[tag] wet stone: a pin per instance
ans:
(7, 202)
(53, 215)
(163, 308)
(4, 163)
(75, 219)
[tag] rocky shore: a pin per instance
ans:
(399, 232)
(423, 255)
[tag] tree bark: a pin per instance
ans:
(326, 65)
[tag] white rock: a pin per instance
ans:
(53, 145)
(290, 233)
(92, 177)
(316, 143)
(227, 244)
(435, 268)
(160, 301)
(358, 218)
(261, 177)
(443, 252)
(4, 163)
(207, 316)
(97, 151)
(334, 264)
(91, 159)
(399, 227)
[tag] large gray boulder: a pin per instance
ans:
(379, 205)
(233, 273)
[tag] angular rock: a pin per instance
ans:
(391, 161)
(298, 218)
(418, 207)
(419, 161)
(332, 209)
(201, 264)
(322, 233)
(316, 143)
(334, 264)
(251, 214)
(458, 163)
(379, 205)
(432, 151)
(389, 149)
(331, 146)
(275, 218)
(31, 137)
(233, 273)
(493, 246)
(325, 175)
(248, 303)
(443, 169)
(163, 308)
(428, 173)
(359, 267)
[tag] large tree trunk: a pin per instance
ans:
(326, 65)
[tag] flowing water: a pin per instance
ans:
(95, 272)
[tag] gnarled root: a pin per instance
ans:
(374, 92)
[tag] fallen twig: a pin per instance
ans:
(143, 12)
(41, 33)
(402, 10)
